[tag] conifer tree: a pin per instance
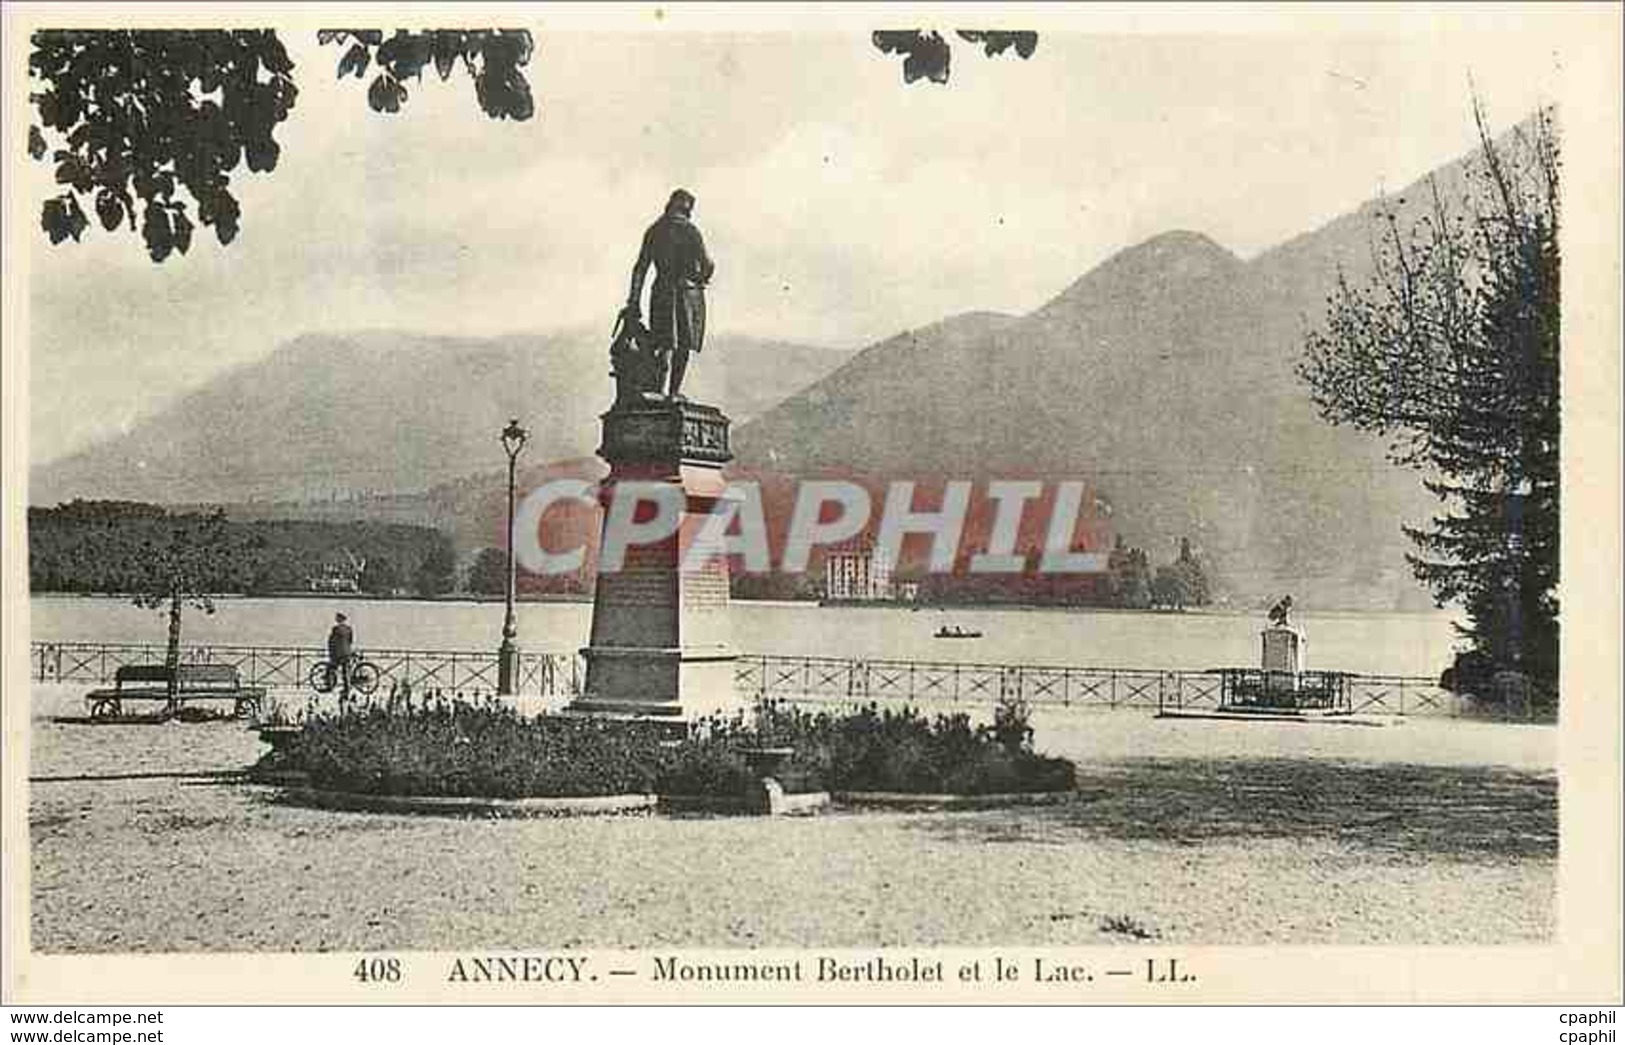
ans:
(1452, 354)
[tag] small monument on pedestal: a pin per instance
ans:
(1281, 684)
(1284, 652)
(1282, 655)
(1285, 645)
(661, 640)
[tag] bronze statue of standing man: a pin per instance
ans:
(673, 245)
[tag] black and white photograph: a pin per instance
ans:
(923, 504)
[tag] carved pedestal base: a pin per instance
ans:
(661, 644)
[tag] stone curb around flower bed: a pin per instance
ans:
(501, 808)
(1341, 718)
(789, 805)
(610, 805)
(903, 800)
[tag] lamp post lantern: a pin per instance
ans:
(513, 440)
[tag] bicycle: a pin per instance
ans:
(363, 675)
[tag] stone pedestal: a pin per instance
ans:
(661, 644)
(1284, 649)
(1283, 658)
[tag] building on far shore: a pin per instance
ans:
(338, 575)
(857, 571)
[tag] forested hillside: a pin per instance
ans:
(108, 547)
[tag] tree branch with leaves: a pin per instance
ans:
(927, 55)
(491, 57)
(147, 128)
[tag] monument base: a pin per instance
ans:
(667, 683)
(661, 638)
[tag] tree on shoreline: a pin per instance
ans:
(1181, 583)
(379, 576)
(1130, 571)
(437, 573)
(1452, 354)
(193, 559)
(489, 573)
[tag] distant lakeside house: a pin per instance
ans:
(338, 574)
(857, 571)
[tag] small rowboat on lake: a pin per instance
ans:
(954, 631)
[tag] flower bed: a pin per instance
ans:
(457, 749)
(453, 749)
(874, 750)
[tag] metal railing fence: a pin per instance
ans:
(559, 674)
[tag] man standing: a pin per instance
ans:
(677, 301)
(340, 645)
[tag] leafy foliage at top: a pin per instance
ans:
(139, 122)
(147, 127)
(926, 55)
(492, 58)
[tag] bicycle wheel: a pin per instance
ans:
(364, 677)
(319, 679)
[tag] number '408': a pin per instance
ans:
(378, 970)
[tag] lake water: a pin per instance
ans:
(1372, 643)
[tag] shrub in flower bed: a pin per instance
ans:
(459, 749)
(440, 748)
(711, 760)
(903, 750)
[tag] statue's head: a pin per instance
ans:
(681, 202)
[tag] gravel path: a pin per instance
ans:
(141, 842)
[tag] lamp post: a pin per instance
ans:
(513, 441)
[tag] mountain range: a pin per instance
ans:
(1165, 377)
(331, 416)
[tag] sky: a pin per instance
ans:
(841, 206)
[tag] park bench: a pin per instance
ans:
(196, 682)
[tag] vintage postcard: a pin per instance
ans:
(929, 504)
